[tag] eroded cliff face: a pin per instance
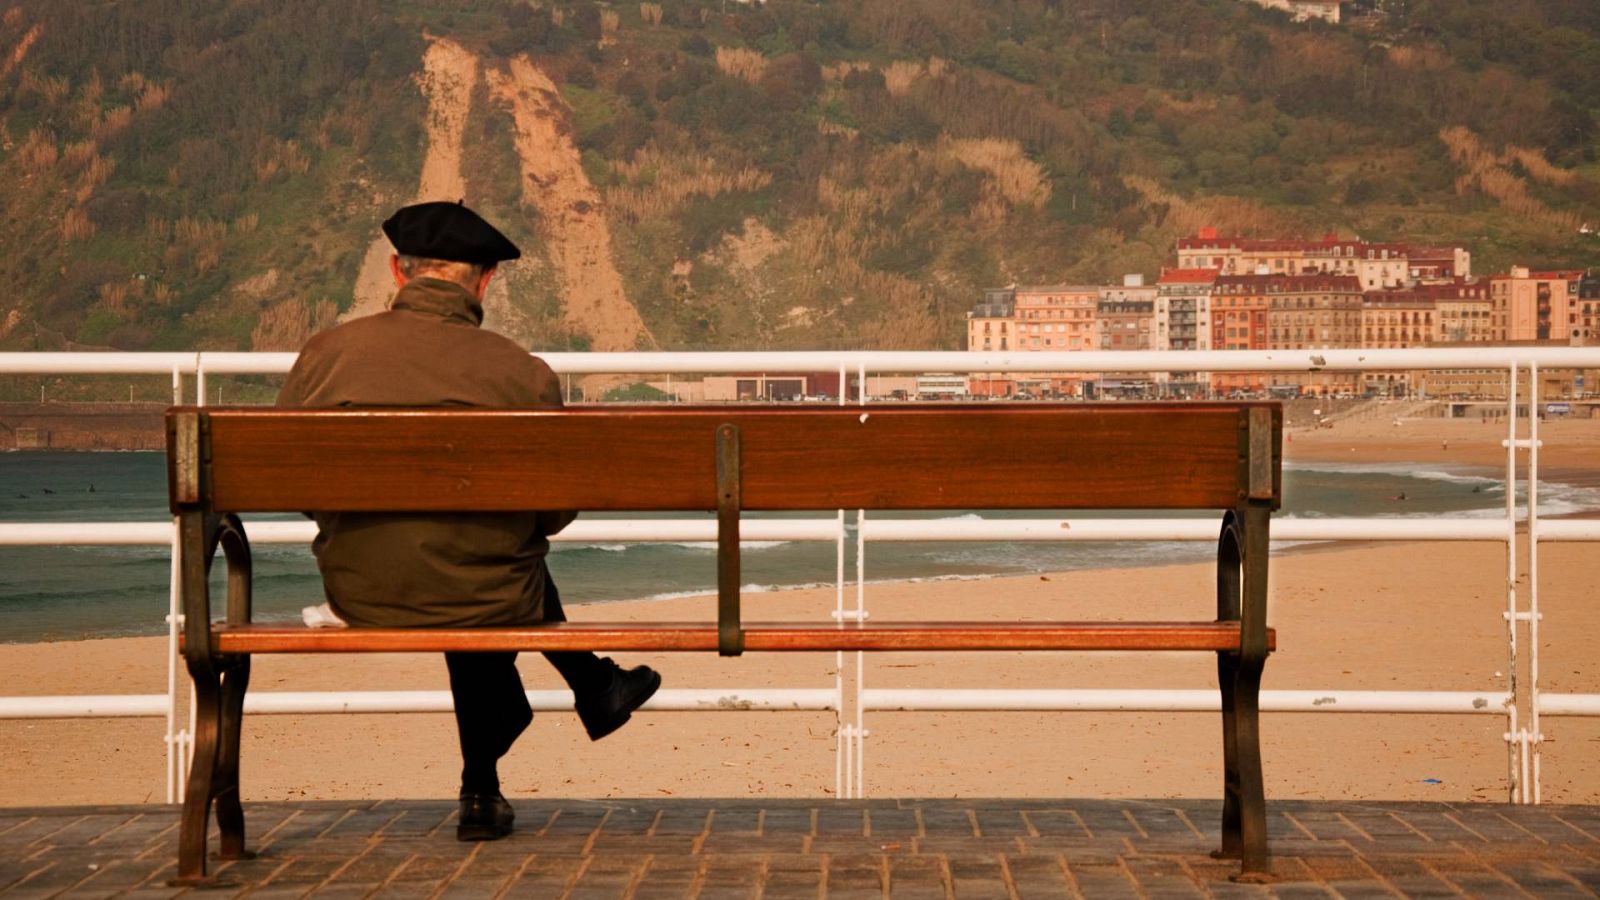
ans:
(574, 228)
(575, 237)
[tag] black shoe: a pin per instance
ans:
(603, 712)
(484, 817)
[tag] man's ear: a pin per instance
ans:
(400, 278)
(483, 281)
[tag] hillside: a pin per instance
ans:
(688, 175)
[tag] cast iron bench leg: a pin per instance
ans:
(1228, 596)
(230, 815)
(1255, 861)
(202, 777)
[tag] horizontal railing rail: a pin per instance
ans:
(876, 361)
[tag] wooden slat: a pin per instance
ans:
(1121, 456)
(758, 636)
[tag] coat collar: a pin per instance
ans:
(435, 296)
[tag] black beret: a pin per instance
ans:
(441, 230)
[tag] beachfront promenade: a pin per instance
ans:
(819, 849)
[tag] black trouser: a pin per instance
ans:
(491, 708)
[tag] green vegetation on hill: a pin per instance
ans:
(843, 174)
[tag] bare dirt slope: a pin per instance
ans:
(578, 239)
(450, 72)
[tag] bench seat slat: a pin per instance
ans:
(758, 636)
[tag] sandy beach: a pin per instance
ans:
(1355, 617)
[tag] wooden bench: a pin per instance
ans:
(1196, 456)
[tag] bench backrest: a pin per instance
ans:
(1114, 456)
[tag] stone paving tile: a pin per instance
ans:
(846, 821)
(946, 822)
(690, 821)
(1546, 826)
(1491, 824)
(1362, 890)
(752, 844)
(727, 871)
(1159, 822)
(846, 874)
(1056, 822)
(750, 821)
(1043, 876)
(546, 876)
(1163, 875)
(1541, 880)
(1100, 879)
(893, 823)
(606, 878)
(794, 820)
(1001, 823)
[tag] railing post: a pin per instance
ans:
(1534, 737)
(175, 737)
(1512, 687)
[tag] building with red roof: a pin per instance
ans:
(1378, 266)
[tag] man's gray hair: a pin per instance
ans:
(463, 273)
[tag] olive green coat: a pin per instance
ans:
(444, 569)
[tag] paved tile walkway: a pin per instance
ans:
(818, 849)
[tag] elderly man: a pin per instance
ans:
(397, 570)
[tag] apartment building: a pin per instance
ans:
(1049, 318)
(1125, 316)
(991, 324)
(1377, 266)
(1125, 320)
(1461, 309)
(1183, 321)
(1396, 319)
(1527, 305)
(1058, 317)
(1239, 305)
(1589, 309)
(1183, 309)
(1285, 312)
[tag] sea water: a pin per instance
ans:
(56, 593)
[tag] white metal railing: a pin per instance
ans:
(849, 699)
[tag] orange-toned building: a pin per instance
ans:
(1535, 306)
(1262, 312)
(1049, 318)
(1239, 307)
(991, 324)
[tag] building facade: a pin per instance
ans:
(1183, 322)
(1527, 305)
(991, 324)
